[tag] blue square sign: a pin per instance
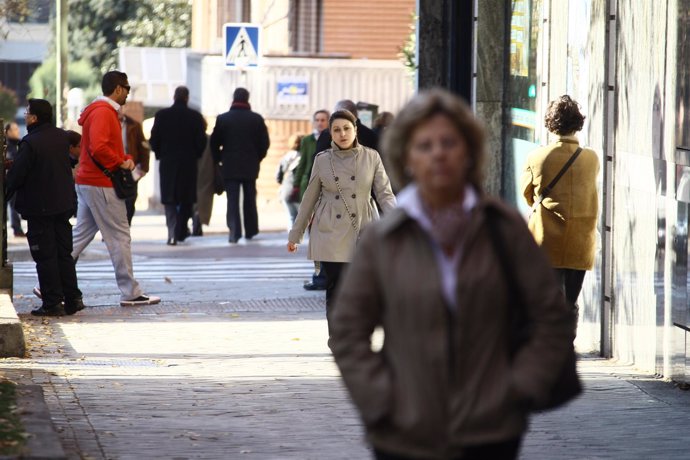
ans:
(241, 41)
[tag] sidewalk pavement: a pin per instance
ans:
(244, 372)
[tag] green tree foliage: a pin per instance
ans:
(8, 103)
(80, 74)
(97, 28)
(408, 51)
(15, 10)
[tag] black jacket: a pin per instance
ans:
(178, 138)
(240, 140)
(41, 174)
(365, 136)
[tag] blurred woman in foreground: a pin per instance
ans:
(449, 382)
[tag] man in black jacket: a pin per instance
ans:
(178, 138)
(41, 176)
(240, 141)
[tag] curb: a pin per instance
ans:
(12, 342)
(43, 442)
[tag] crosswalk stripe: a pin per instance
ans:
(194, 269)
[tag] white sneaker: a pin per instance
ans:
(140, 301)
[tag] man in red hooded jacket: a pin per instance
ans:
(99, 207)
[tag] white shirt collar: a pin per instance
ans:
(114, 104)
(410, 200)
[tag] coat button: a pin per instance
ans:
(354, 196)
(353, 214)
(337, 197)
(337, 178)
(353, 177)
(337, 216)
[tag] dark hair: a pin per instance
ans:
(563, 116)
(324, 111)
(346, 104)
(8, 126)
(181, 94)
(42, 109)
(342, 115)
(295, 141)
(74, 138)
(111, 80)
(422, 108)
(240, 95)
(383, 119)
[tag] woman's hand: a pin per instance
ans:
(291, 247)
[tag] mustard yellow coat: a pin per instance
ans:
(565, 222)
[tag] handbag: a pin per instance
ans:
(567, 386)
(546, 190)
(123, 182)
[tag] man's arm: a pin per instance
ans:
(200, 136)
(217, 141)
(23, 162)
(299, 171)
(101, 144)
(264, 141)
(142, 146)
(155, 141)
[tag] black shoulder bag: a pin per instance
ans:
(124, 184)
(567, 386)
(546, 190)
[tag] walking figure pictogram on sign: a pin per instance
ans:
(241, 45)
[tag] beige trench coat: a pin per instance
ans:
(444, 378)
(333, 236)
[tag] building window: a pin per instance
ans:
(304, 26)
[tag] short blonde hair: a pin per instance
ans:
(420, 109)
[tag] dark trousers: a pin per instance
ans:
(507, 450)
(129, 204)
(249, 213)
(50, 242)
(571, 283)
(15, 219)
(333, 271)
(177, 218)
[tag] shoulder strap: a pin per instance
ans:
(518, 314)
(100, 166)
(546, 190)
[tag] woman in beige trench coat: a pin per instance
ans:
(338, 200)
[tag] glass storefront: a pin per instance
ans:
(522, 94)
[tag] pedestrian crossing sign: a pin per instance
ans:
(241, 41)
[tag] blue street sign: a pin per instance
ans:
(241, 42)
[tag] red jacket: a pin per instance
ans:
(101, 137)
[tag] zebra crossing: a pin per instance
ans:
(230, 269)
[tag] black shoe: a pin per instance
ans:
(52, 310)
(74, 306)
(183, 235)
(232, 240)
(196, 226)
(309, 286)
(171, 242)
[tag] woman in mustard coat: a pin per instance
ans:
(564, 222)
